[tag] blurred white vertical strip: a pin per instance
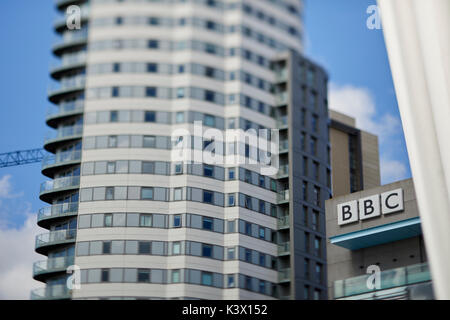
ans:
(417, 35)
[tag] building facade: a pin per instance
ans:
(138, 221)
(375, 246)
(354, 156)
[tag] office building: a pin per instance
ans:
(354, 156)
(137, 221)
(375, 246)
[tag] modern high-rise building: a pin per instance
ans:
(354, 156)
(139, 222)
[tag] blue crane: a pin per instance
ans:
(17, 158)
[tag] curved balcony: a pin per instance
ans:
(71, 64)
(42, 269)
(283, 222)
(63, 159)
(54, 292)
(64, 134)
(48, 215)
(283, 196)
(63, 111)
(283, 171)
(284, 146)
(50, 189)
(284, 275)
(52, 239)
(72, 40)
(67, 86)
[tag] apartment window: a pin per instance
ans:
(262, 181)
(147, 193)
(209, 72)
(149, 141)
(108, 220)
(317, 293)
(180, 93)
(315, 220)
(317, 245)
(179, 118)
(306, 268)
(148, 167)
(303, 141)
(230, 281)
(248, 255)
(209, 120)
(231, 173)
(314, 123)
(319, 272)
(206, 250)
(177, 221)
(209, 96)
(110, 193)
(262, 286)
(113, 116)
(178, 168)
(106, 247)
(116, 67)
(177, 194)
(150, 116)
(152, 67)
(248, 283)
(248, 176)
(145, 220)
(105, 275)
(176, 248)
(181, 68)
(154, 21)
(208, 171)
(248, 202)
(313, 145)
(262, 259)
(262, 206)
(207, 278)
(119, 20)
(112, 142)
(306, 292)
(150, 91)
(208, 197)
(248, 228)
(262, 233)
(316, 170)
(317, 196)
(306, 241)
(175, 276)
(143, 275)
(231, 254)
(231, 200)
(207, 224)
(111, 167)
(144, 247)
(115, 91)
(305, 190)
(305, 166)
(153, 44)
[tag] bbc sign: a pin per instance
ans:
(370, 207)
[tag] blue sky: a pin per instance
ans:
(336, 37)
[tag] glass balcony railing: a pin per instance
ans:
(65, 108)
(73, 83)
(282, 122)
(61, 158)
(389, 279)
(57, 210)
(283, 222)
(284, 146)
(55, 237)
(60, 183)
(284, 275)
(50, 292)
(283, 196)
(64, 132)
(281, 98)
(52, 265)
(284, 248)
(283, 170)
(281, 75)
(69, 60)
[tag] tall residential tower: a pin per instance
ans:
(139, 222)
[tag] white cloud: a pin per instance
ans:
(16, 245)
(393, 170)
(360, 104)
(17, 258)
(5, 186)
